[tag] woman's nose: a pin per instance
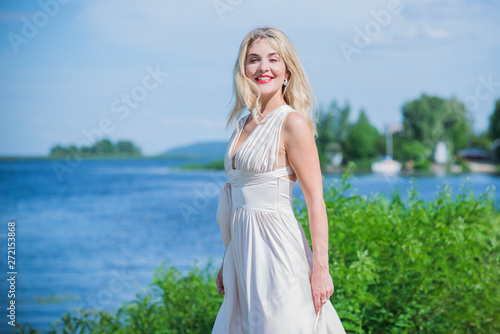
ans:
(264, 66)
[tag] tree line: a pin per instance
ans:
(427, 120)
(102, 148)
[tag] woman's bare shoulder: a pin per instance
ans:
(295, 124)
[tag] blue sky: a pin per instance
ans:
(68, 67)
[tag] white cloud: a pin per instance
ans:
(148, 23)
(437, 33)
(429, 23)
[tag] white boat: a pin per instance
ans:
(386, 166)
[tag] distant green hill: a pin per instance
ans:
(207, 150)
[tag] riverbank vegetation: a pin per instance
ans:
(102, 148)
(398, 267)
(426, 121)
(216, 164)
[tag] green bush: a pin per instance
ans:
(462, 163)
(421, 267)
(418, 268)
(422, 165)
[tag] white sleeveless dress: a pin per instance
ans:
(268, 264)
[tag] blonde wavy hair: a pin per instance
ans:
(297, 93)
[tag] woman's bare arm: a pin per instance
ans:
(303, 157)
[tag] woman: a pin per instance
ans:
(271, 281)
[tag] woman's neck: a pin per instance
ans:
(268, 104)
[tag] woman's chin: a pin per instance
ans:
(267, 91)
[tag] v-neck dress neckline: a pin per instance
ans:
(233, 154)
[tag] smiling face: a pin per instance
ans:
(266, 68)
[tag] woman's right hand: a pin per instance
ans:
(220, 283)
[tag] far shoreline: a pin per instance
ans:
(475, 167)
(161, 157)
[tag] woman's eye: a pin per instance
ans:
(253, 60)
(274, 60)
